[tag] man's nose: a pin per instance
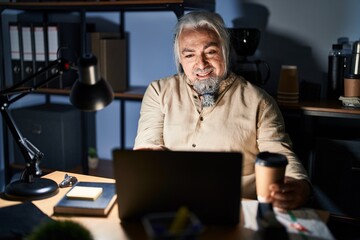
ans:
(202, 61)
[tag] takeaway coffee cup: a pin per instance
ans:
(269, 168)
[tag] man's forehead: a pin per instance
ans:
(200, 37)
(199, 30)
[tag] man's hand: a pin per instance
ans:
(292, 194)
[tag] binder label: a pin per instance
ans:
(14, 40)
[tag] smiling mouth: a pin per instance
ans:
(204, 74)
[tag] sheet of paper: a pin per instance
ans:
(85, 193)
(308, 218)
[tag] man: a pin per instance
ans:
(205, 107)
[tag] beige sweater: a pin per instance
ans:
(244, 119)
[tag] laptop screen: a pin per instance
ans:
(207, 183)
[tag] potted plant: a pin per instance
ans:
(93, 159)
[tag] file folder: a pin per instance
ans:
(27, 53)
(65, 37)
(39, 44)
(15, 52)
(52, 47)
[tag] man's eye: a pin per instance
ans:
(189, 55)
(211, 52)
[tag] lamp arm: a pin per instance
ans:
(31, 154)
(63, 65)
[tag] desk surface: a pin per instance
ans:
(110, 227)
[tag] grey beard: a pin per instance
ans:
(208, 89)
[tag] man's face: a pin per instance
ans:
(200, 54)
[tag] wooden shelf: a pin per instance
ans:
(323, 108)
(134, 5)
(133, 93)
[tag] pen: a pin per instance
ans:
(179, 221)
(295, 224)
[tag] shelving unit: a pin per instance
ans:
(176, 6)
(121, 6)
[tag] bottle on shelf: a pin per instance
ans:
(347, 51)
(336, 70)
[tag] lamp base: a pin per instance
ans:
(39, 189)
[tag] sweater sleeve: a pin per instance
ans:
(151, 121)
(272, 137)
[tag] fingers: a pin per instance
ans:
(283, 205)
(290, 195)
(283, 196)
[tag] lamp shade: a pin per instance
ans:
(90, 92)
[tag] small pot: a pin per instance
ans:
(93, 162)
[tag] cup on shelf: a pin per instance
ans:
(288, 86)
(352, 86)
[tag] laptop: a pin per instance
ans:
(207, 183)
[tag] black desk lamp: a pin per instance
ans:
(89, 93)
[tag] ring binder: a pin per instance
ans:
(15, 52)
(39, 44)
(65, 36)
(52, 47)
(27, 53)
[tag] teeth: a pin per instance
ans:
(202, 75)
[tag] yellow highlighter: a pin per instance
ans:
(180, 221)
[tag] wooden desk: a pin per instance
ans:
(110, 227)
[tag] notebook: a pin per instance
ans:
(207, 183)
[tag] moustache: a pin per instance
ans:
(202, 71)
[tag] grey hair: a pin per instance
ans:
(203, 19)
